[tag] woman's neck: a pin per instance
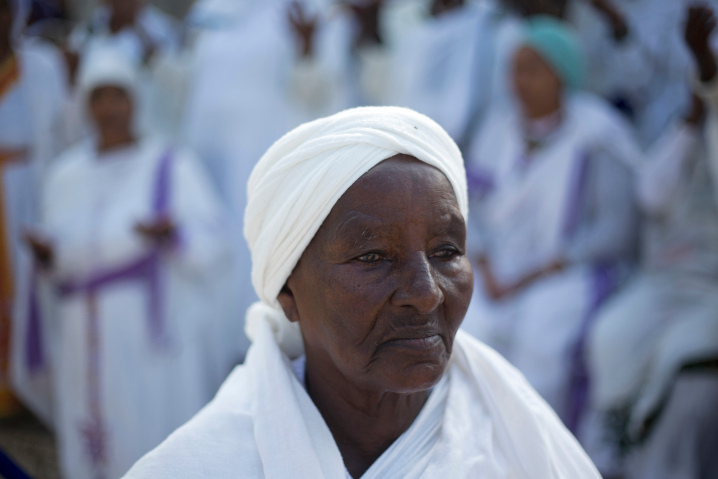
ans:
(109, 143)
(364, 422)
(538, 128)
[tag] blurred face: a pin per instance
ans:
(440, 7)
(537, 87)
(384, 285)
(526, 8)
(112, 111)
(125, 9)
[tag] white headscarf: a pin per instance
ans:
(109, 66)
(297, 182)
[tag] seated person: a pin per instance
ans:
(557, 221)
(654, 349)
(356, 224)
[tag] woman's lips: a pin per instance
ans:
(419, 344)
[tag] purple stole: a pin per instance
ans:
(605, 277)
(147, 269)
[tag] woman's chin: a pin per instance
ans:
(415, 377)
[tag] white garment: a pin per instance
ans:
(443, 67)
(263, 424)
(121, 385)
(684, 439)
(30, 117)
(156, 25)
(425, 432)
(649, 67)
(236, 108)
(570, 199)
(668, 316)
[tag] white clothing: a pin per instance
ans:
(236, 108)
(30, 117)
(668, 316)
(443, 67)
(649, 68)
(136, 354)
(156, 25)
(684, 440)
(263, 424)
(569, 199)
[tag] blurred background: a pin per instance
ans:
(129, 129)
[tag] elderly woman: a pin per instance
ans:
(557, 217)
(356, 224)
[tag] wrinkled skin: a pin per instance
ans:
(379, 294)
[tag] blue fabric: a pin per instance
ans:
(557, 44)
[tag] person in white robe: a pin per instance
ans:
(33, 92)
(132, 243)
(555, 217)
(443, 68)
(652, 347)
(481, 418)
(138, 29)
(647, 67)
(276, 65)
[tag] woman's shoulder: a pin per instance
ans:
(70, 161)
(218, 442)
(528, 432)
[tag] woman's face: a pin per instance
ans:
(384, 285)
(537, 87)
(111, 110)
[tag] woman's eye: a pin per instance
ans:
(446, 253)
(370, 258)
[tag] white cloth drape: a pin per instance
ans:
(263, 424)
(482, 419)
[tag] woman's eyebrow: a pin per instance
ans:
(455, 226)
(362, 228)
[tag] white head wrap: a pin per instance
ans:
(299, 179)
(107, 67)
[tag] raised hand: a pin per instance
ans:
(304, 26)
(160, 231)
(615, 18)
(42, 250)
(700, 25)
(367, 15)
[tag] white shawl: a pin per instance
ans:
(263, 424)
(482, 419)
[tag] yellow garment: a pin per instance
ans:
(9, 76)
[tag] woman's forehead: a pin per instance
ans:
(392, 192)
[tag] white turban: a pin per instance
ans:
(299, 179)
(107, 66)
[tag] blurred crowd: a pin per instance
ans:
(590, 134)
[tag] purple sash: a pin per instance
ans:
(605, 279)
(148, 269)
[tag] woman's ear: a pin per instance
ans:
(288, 303)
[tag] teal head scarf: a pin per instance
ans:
(557, 44)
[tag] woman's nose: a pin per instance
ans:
(418, 287)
